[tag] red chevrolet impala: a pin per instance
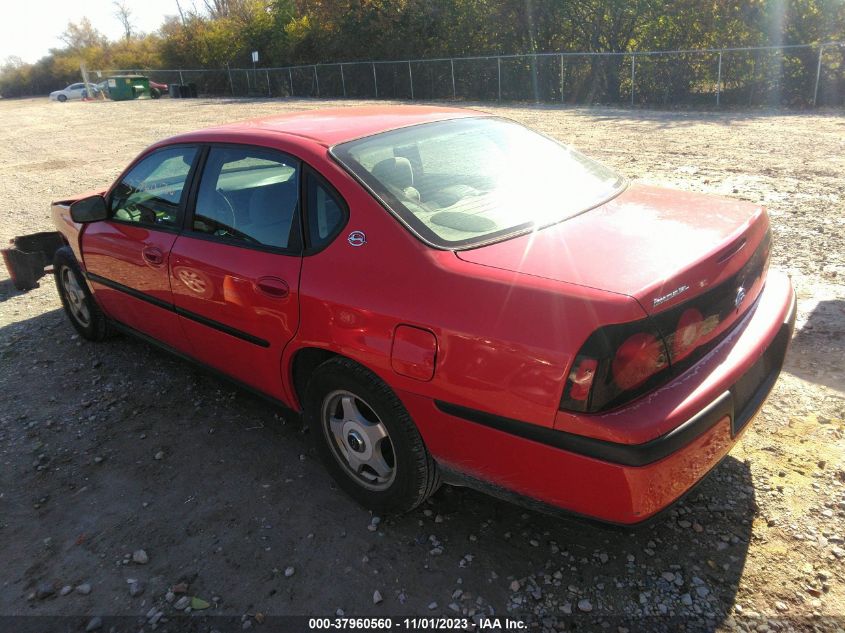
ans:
(447, 296)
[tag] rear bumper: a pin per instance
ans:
(623, 482)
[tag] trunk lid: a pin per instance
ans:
(660, 246)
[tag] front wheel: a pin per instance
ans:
(79, 304)
(62, 98)
(366, 438)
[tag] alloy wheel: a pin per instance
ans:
(359, 440)
(76, 299)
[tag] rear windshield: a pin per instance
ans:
(466, 182)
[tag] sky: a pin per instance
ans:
(29, 31)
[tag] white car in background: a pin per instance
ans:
(73, 91)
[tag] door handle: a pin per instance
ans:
(273, 287)
(152, 255)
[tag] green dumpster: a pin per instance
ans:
(124, 87)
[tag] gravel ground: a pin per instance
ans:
(133, 485)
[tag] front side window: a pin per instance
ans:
(249, 196)
(150, 194)
(469, 181)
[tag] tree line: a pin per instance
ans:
(289, 32)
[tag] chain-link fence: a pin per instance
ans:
(791, 76)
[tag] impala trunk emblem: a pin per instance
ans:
(670, 295)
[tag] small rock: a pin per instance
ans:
(515, 586)
(289, 571)
(702, 592)
(65, 590)
(94, 624)
(668, 576)
(377, 597)
(339, 613)
(84, 588)
(781, 606)
(585, 605)
(136, 588)
(159, 455)
(687, 599)
(182, 603)
(140, 556)
(432, 606)
(44, 590)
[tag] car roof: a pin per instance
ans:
(329, 126)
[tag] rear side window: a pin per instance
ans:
(249, 196)
(151, 192)
(326, 212)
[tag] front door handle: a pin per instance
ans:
(273, 287)
(152, 255)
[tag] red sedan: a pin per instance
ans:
(446, 296)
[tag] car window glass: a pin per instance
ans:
(467, 181)
(248, 195)
(325, 213)
(150, 193)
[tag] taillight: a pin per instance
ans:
(687, 333)
(619, 362)
(581, 378)
(640, 357)
(614, 363)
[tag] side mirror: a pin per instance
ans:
(90, 209)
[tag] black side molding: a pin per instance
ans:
(164, 305)
(624, 454)
(137, 294)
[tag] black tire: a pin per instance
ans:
(415, 475)
(155, 93)
(62, 98)
(79, 304)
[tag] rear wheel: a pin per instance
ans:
(79, 304)
(62, 98)
(366, 438)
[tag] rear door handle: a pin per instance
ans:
(152, 255)
(273, 287)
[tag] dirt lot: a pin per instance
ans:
(106, 449)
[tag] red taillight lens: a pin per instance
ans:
(637, 359)
(687, 333)
(581, 379)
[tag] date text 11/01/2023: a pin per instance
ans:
(416, 624)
